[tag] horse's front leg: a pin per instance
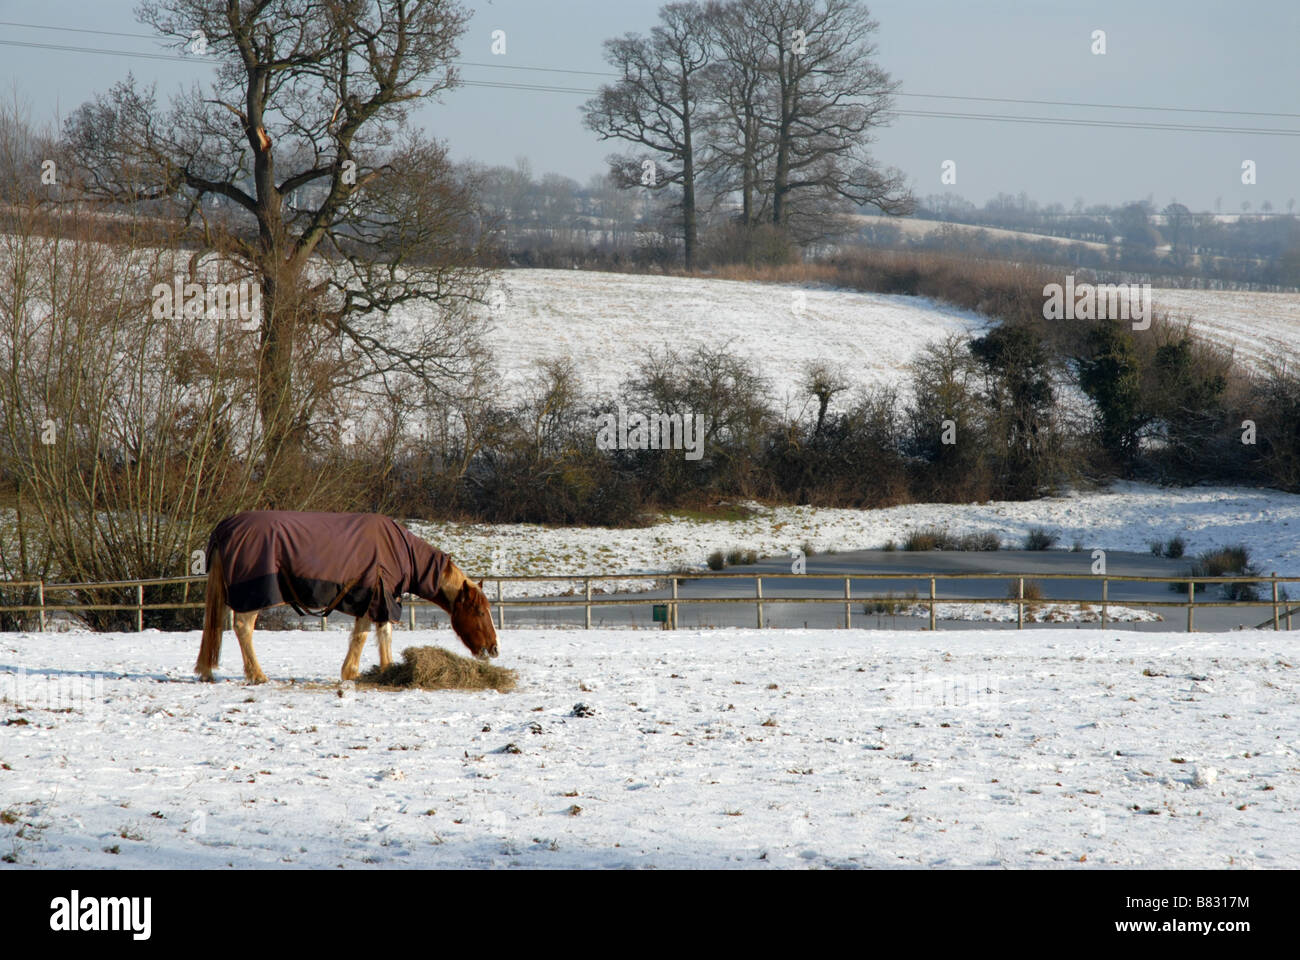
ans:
(352, 662)
(244, 623)
(384, 637)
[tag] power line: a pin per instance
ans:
(102, 33)
(947, 115)
(99, 50)
(1115, 124)
(600, 73)
(508, 85)
(1099, 106)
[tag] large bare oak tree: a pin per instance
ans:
(655, 105)
(296, 162)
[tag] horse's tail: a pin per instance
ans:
(210, 649)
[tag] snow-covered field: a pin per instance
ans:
(1259, 327)
(721, 749)
(1125, 516)
(915, 229)
(608, 323)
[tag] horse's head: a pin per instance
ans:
(471, 618)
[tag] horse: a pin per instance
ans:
(356, 563)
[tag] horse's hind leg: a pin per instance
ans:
(352, 662)
(384, 637)
(244, 623)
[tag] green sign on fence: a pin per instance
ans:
(660, 613)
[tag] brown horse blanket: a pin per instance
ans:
(356, 563)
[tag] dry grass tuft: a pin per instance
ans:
(433, 668)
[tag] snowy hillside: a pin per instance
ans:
(608, 322)
(1257, 326)
(724, 749)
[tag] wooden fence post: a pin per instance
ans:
(932, 618)
(672, 608)
(139, 607)
(1191, 603)
(1276, 625)
(848, 607)
(758, 592)
(501, 609)
(588, 603)
(1105, 596)
(40, 598)
(1020, 604)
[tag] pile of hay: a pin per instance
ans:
(433, 668)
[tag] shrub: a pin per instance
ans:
(979, 542)
(1040, 539)
(890, 604)
(1033, 590)
(1226, 561)
(929, 538)
(938, 538)
(742, 558)
(1233, 561)
(716, 560)
(1172, 548)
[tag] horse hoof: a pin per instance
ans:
(259, 678)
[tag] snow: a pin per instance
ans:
(917, 229)
(1259, 327)
(1034, 613)
(608, 323)
(730, 748)
(1123, 516)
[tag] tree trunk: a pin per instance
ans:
(275, 366)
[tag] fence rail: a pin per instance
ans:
(1281, 606)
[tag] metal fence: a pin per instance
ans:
(1282, 610)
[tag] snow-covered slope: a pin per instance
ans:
(608, 322)
(1259, 327)
(724, 749)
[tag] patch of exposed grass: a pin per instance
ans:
(720, 511)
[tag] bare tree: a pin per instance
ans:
(294, 164)
(823, 380)
(829, 95)
(656, 105)
(739, 93)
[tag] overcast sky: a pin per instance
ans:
(1238, 56)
